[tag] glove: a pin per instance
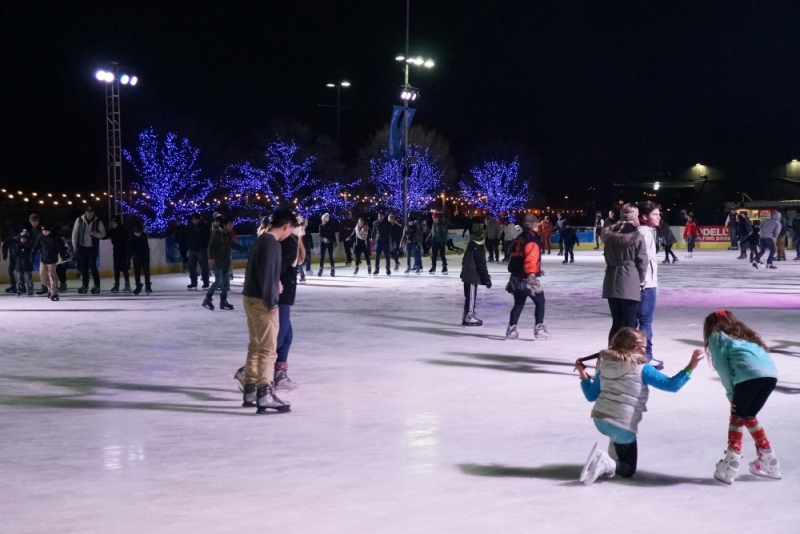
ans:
(489, 284)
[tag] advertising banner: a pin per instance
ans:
(713, 234)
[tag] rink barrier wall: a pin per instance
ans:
(165, 256)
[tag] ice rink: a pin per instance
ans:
(118, 414)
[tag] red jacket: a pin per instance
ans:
(525, 258)
(689, 230)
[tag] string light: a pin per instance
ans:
(424, 179)
(497, 187)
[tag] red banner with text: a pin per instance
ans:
(713, 234)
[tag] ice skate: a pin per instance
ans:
(355, 271)
(432, 270)
(511, 332)
(333, 272)
(378, 271)
(408, 270)
(190, 287)
(418, 270)
(665, 262)
(11, 289)
(766, 465)
(41, 292)
(55, 298)
(755, 264)
(266, 400)
(115, 289)
(225, 305)
(239, 377)
(471, 321)
(127, 288)
(207, 303)
(396, 266)
(444, 270)
(598, 463)
(249, 394)
(540, 332)
(319, 273)
(283, 382)
(138, 289)
(95, 289)
(369, 269)
(728, 468)
(83, 290)
(565, 261)
(30, 292)
(770, 266)
(148, 290)
(206, 285)
(388, 272)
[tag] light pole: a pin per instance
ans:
(112, 78)
(408, 93)
(338, 87)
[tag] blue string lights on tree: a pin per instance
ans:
(169, 185)
(424, 180)
(497, 188)
(332, 198)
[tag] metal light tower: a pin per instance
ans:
(408, 93)
(111, 77)
(338, 87)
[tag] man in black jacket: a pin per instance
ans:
(51, 247)
(118, 235)
(261, 296)
(197, 237)
(382, 236)
(327, 242)
(473, 274)
(9, 253)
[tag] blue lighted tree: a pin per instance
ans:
(169, 183)
(424, 179)
(333, 197)
(497, 187)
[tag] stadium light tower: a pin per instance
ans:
(112, 78)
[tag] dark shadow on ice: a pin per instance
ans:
(781, 348)
(502, 362)
(414, 319)
(40, 401)
(88, 385)
(80, 310)
(461, 332)
(788, 390)
(571, 473)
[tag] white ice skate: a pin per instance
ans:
(598, 463)
(728, 467)
(766, 465)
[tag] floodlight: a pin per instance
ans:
(429, 63)
(109, 77)
(330, 85)
(124, 79)
(345, 84)
(400, 58)
(100, 75)
(134, 80)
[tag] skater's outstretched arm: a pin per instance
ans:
(658, 380)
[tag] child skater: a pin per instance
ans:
(620, 392)
(570, 240)
(473, 274)
(749, 375)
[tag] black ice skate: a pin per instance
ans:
(191, 287)
(249, 398)
(355, 271)
(369, 269)
(54, 298)
(207, 303)
(225, 305)
(333, 272)
(83, 290)
(319, 273)
(42, 292)
(432, 270)
(471, 320)
(408, 270)
(115, 289)
(95, 290)
(148, 289)
(138, 289)
(206, 285)
(444, 270)
(266, 400)
(126, 289)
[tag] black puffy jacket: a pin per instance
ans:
(51, 248)
(473, 265)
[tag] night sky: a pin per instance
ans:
(594, 90)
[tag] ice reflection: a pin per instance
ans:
(420, 442)
(116, 456)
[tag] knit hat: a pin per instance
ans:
(529, 221)
(477, 233)
(24, 233)
(326, 216)
(629, 212)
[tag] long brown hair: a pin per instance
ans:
(624, 343)
(726, 322)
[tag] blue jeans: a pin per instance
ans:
(734, 240)
(222, 281)
(413, 248)
(285, 334)
(644, 317)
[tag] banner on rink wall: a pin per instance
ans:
(713, 234)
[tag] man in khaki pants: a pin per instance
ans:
(262, 287)
(51, 247)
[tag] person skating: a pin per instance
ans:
(510, 233)
(197, 238)
(382, 236)
(626, 260)
(493, 231)
(360, 236)
(308, 244)
(732, 224)
(690, 232)
(780, 241)
(525, 266)
(545, 232)
(667, 240)
(411, 240)
(35, 232)
(473, 274)
(397, 237)
(118, 235)
(570, 238)
(261, 296)
(23, 268)
(9, 251)
(753, 240)
(770, 230)
(796, 237)
(327, 242)
(559, 227)
(220, 246)
(438, 238)
(139, 253)
(744, 231)
(649, 219)
(620, 391)
(741, 359)
(598, 229)
(87, 232)
(346, 238)
(51, 247)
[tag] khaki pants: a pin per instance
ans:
(780, 242)
(47, 273)
(263, 326)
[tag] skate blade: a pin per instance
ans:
(262, 410)
(589, 463)
(723, 480)
(765, 475)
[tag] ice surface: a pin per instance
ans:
(118, 414)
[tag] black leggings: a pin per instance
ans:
(623, 313)
(519, 303)
(628, 456)
(362, 248)
(322, 248)
(751, 395)
(668, 252)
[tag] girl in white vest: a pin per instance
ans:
(620, 391)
